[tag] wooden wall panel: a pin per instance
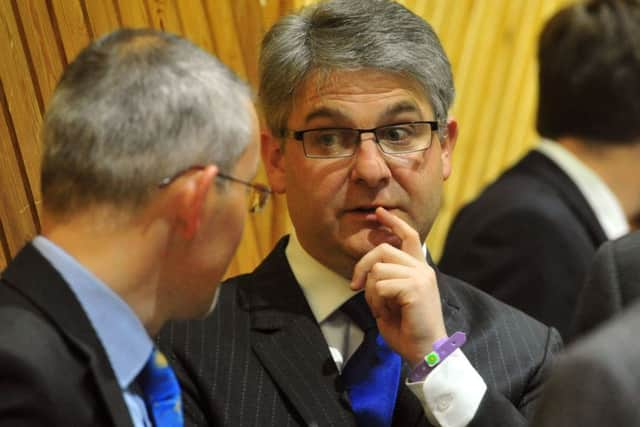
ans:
(102, 16)
(132, 13)
(71, 23)
(3, 250)
(248, 24)
(44, 47)
(16, 219)
(194, 23)
(227, 43)
(491, 45)
(22, 117)
(164, 15)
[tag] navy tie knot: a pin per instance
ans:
(359, 312)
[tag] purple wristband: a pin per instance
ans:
(441, 350)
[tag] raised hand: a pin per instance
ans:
(402, 291)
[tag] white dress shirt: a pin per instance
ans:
(600, 198)
(451, 393)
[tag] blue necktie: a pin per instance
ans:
(372, 374)
(161, 391)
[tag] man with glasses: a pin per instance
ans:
(346, 322)
(149, 143)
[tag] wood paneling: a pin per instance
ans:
(491, 44)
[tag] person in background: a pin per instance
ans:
(613, 283)
(597, 381)
(529, 237)
(346, 322)
(149, 144)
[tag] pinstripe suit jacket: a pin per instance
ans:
(260, 359)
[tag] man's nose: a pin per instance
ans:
(370, 166)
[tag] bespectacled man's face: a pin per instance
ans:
(332, 201)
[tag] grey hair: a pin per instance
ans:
(351, 35)
(135, 107)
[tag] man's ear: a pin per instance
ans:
(193, 189)
(447, 147)
(272, 150)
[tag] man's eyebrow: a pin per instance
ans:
(325, 113)
(400, 107)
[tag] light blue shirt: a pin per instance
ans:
(121, 333)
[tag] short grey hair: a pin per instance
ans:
(135, 107)
(351, 35)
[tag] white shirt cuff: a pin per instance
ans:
(452, 392)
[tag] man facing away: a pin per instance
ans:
(529, 237)
(144, 140)
(356, 95)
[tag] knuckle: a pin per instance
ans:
(376, 269)
(379, 287)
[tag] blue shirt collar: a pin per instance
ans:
(121, 333)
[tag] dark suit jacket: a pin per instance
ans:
(260, 359)
(613, 282)
(53, 369)
(528, 240)
(597, 382)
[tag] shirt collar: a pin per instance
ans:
(325, 290)
(121, 333)
(600, 198)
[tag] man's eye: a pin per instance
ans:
(326, 139)
(397, 133)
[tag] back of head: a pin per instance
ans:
(351, 35)
(135, 107)
(589, 71)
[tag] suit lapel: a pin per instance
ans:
(31, 274)
(290, 344)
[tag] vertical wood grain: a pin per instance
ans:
(22, 114)
(248, 25)
(69, 20)
(43, 46)
(16, 216)
(132, 13)
(194, 23)
(4, 250)
(102, 16)
(164, 16)
(221, 23)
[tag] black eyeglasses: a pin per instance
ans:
(399, 138)
(258, 193)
